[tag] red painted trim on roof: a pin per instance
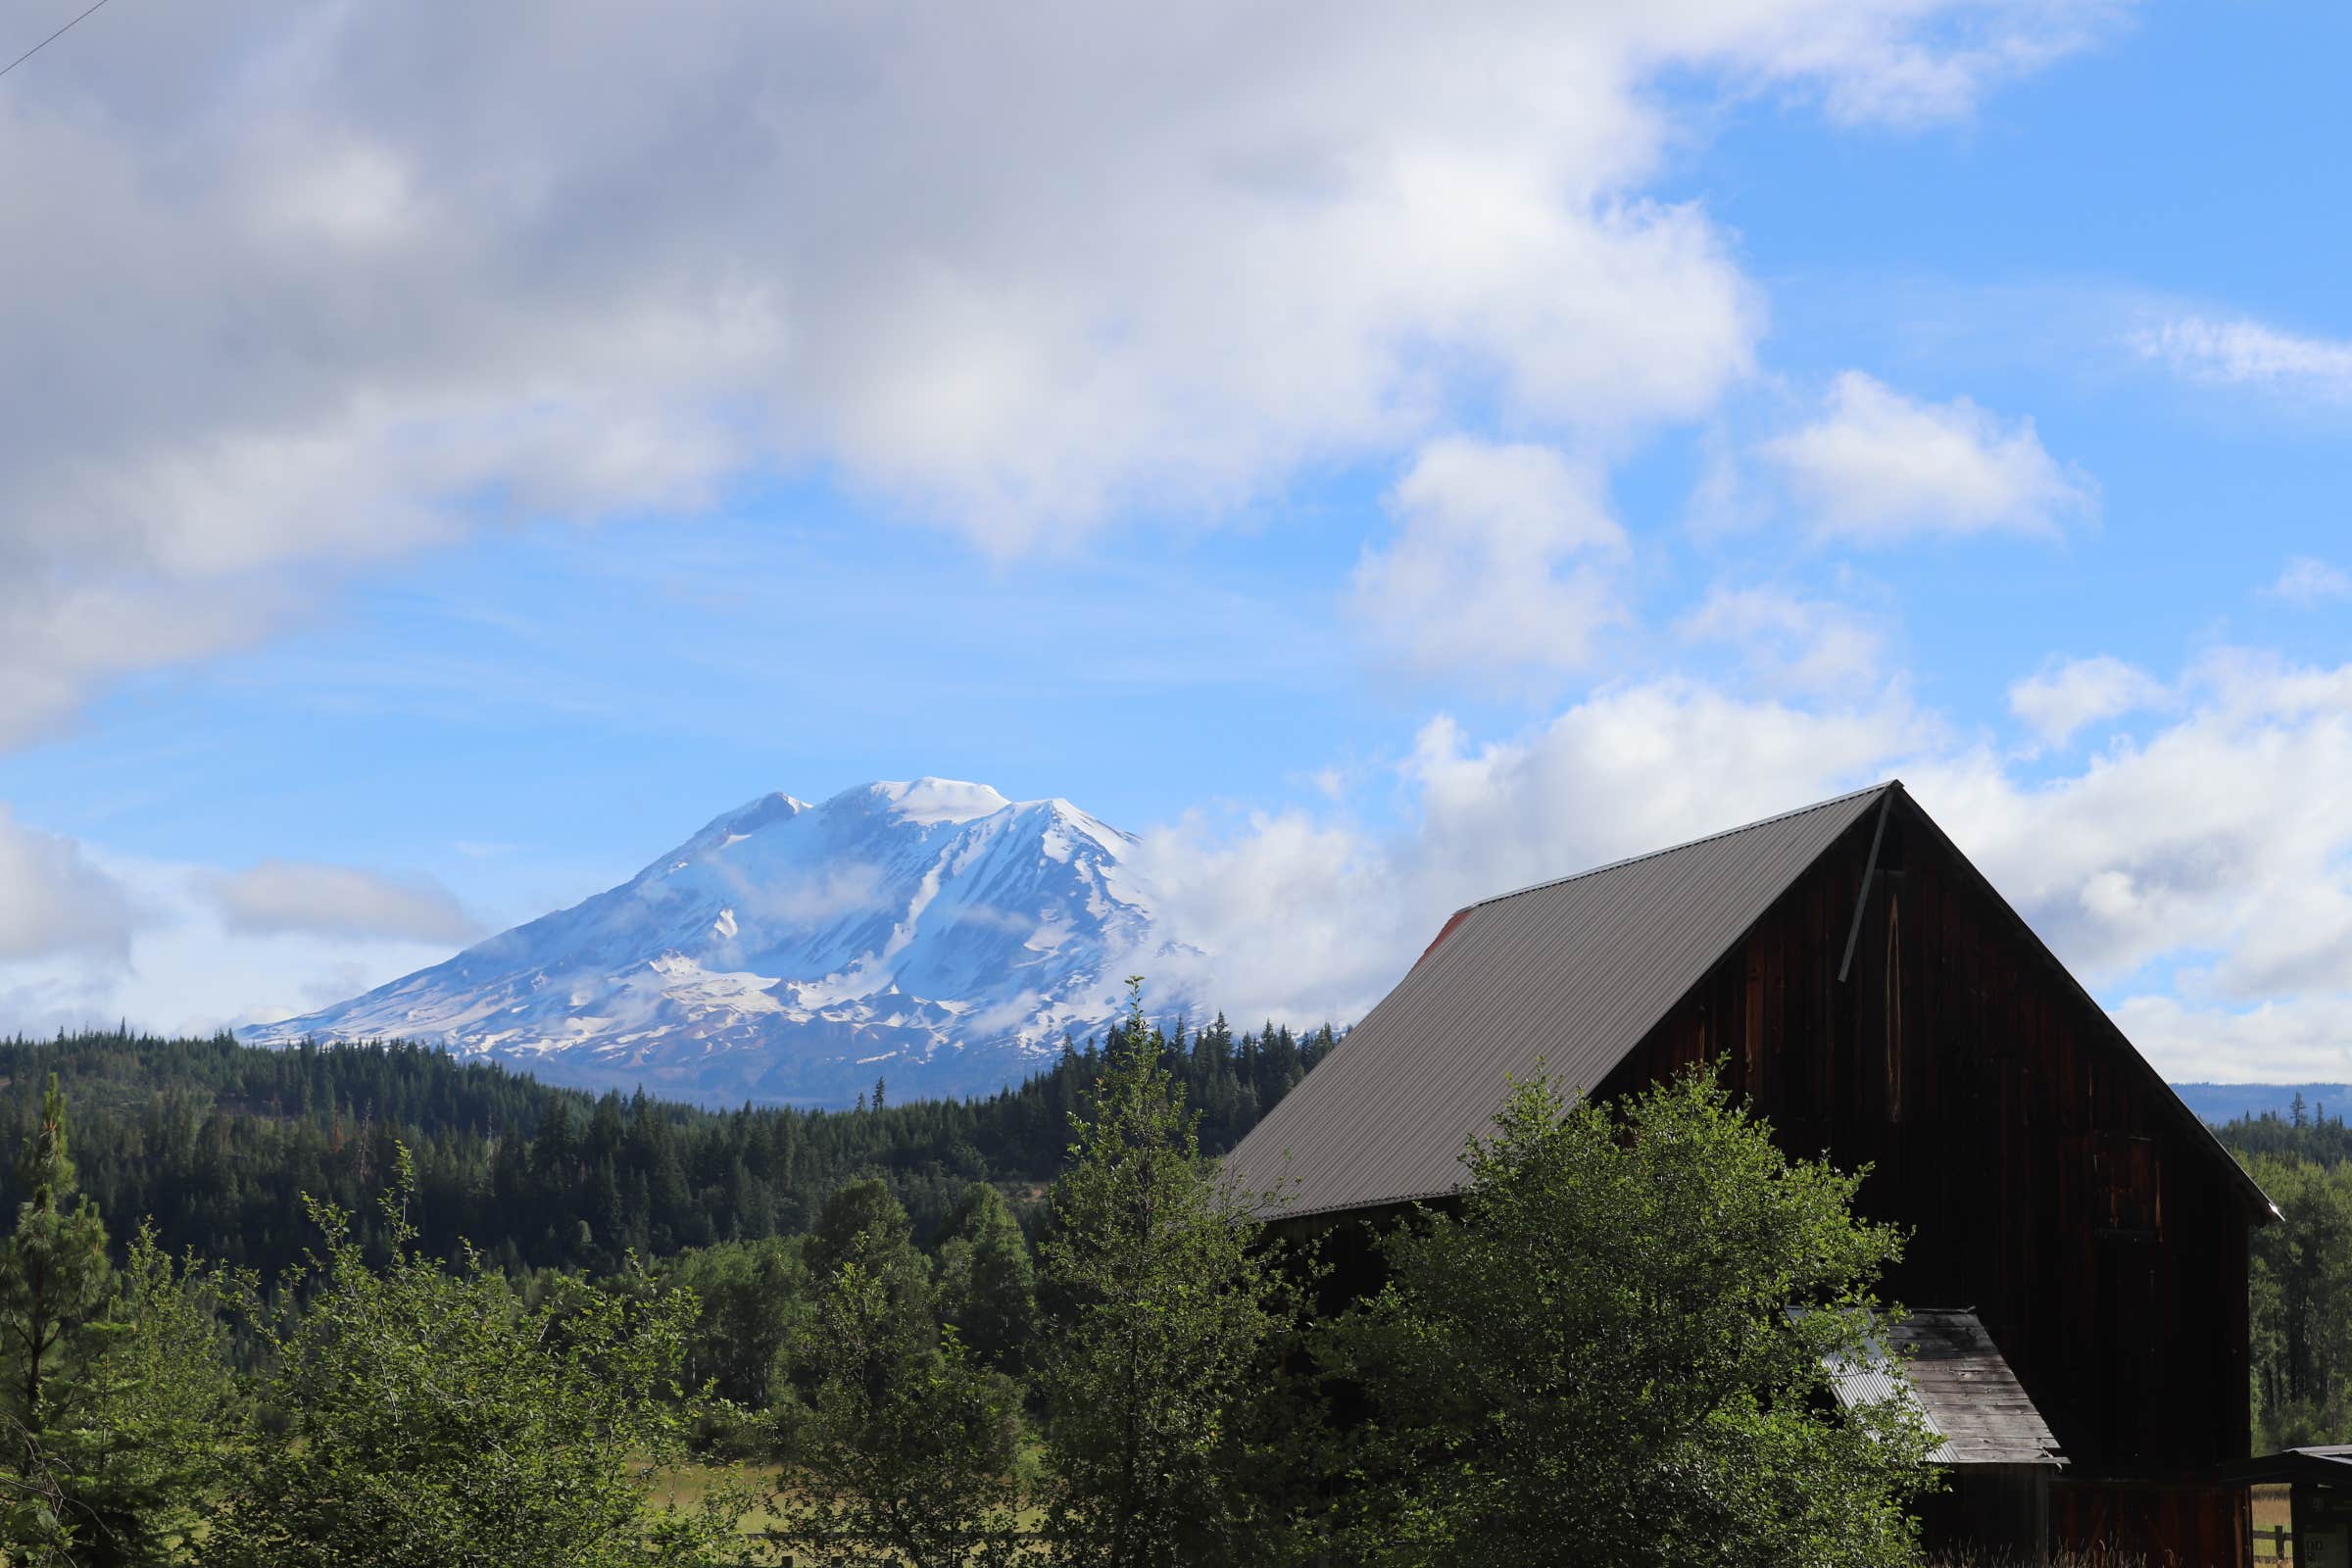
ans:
(1459, 915)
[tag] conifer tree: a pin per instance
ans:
(54, 1275)
(987, 1281)
(864, 1220)
(1165, 1338)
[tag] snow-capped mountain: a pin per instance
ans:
(935, 934)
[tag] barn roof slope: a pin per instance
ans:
(1948, 1367)
(1569, 975)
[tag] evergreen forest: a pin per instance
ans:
(218, 1144)
(2301, 1275)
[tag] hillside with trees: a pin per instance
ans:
(219, 1143)
(1148, 1381)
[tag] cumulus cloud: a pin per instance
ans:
(1307, 917)
(2308, 581)
(1919, 74)
(1503, 556)
(2064, 695)
(1012, 269)
(305, 896)
(2298, 1041)
(1877, 468)
(2201, 876)
(1789, 641)
(2247, 352)
(56, 900)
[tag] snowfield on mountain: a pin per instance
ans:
(934, 934)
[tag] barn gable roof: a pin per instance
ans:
(1566, 977)
(1577, 969)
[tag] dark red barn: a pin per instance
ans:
(1873, 995)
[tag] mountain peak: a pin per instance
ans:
(930, 928)
(933, 800)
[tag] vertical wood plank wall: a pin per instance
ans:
(2049, 1186)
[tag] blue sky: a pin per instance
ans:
(1381, 458)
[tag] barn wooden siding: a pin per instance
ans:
(2050, 1183)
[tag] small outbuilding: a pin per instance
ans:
(1999, 1452)
(2316, 1530)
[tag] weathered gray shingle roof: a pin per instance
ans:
(1573, 973)
(1961, 1384)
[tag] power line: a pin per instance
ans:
(45, 42)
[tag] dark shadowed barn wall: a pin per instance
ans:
(2050, 1182)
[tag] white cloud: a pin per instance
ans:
(2221, 840)
(1306, 917)
(1503, 556)
(304, 896)
(167, 955)
(1013, 268)
(1792, 643)
(2300, 1041)
(2202, 876)
(1877, 468)
(2063, 696)
(2308, 581)
(1915, 76)
(808, 900)
(2247, 352)
(56, 900)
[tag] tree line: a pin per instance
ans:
(219, 1142)
(2300, 1275)
(1148, 1374)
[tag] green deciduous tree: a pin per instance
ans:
(905, 1452)
(432, 1418)
(1164, 1341)
(1594, 1359)
(753, 1296)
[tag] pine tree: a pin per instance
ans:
(54, 1275)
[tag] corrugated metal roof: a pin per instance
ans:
(2326, 1465)
(1569, 974)
(1960, 1383)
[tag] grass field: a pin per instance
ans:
(2269, 1517)
(690, 1484)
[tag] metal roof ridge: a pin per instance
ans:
(1879, 788)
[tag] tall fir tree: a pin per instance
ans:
(987, 1280)
(54, 1275)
